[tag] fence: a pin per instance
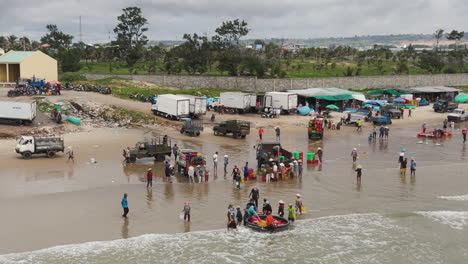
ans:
(265, 85)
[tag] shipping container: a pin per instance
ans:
(286, 101)
(197, 104)
(238, 100)
(19, 111)
(171, 106)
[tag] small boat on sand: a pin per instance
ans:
(259, 224)
(430, 134)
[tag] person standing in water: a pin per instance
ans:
(70, 154)
(124, 204)
(186, 211)
(175, 151)
(299, 203)
(319, 154)
(149, 178)
(191, 174)
(291, 213)
(358, 174)
(231, 216)
(260, 133)
(464, 132)
(354, 154)
(403, 167)
(413, 167)
(239, 216)
(226, 162)
(281, 208)
(255, 195)
(215, 163)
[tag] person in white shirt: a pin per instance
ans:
(215, 163)
(191, 174)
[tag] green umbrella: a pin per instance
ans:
(368, 105)
(332, 107)
(461, 98)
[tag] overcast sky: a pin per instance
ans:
(170, 19)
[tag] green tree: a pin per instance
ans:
(130, 34)
(56, 39)
(431, 62)
(230, 32)
(195, 53)
(456, 36)
(439, 34)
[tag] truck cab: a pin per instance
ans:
(391, 110)
(458, 115)
(158, 148)
(25, 144)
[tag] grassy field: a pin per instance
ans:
(297, 68)
(123, 88)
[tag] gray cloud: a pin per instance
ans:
(170, 19)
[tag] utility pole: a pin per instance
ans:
(81, 32)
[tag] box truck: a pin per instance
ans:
(49, 145)
(237, 101)
(18, 111)
(197, 104)
(286, 101)
(171, 106)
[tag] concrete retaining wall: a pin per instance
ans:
(265, 85)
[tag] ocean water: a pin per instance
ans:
(355, 238)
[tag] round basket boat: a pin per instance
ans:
(259, 224)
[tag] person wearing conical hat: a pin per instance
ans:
(358, 174)
(281, 208)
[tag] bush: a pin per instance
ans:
(72, 77)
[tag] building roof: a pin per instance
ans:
(432, 89)
(15, 56)
(330, 94)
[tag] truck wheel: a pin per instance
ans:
(132, 159)
(235, 135)
(27, 155)
(215, 132)
(182, 131)
(197, 134)
(51, 154)
(159, 158)
(243, 136)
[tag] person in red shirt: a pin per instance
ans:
(270, 221)
(260, 133)
(149, 178)
(464, 132)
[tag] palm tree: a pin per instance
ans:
(12, 41)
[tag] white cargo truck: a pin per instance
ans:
(286, 101)
(237, 101)
(197, 104)
(171, 106)
(18, 111)
(29, 145)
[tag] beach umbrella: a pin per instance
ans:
(45, 45)
(376, 103)
(399, 100)
(461, 98)
(332, 107)
(367, 105)
(377, 108)
(305, 110)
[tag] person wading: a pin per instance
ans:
(149, 178)
(278, 133)
(124, 203)
(255, 195)
(215, 163)
(464, 132)
(260, 133)
(186, 211)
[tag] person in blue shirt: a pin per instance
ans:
(252, 211)
(246, 171)
(413, 167)
(124, 203)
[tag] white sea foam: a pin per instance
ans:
(356, 238)
(454, 219)
(455, 197)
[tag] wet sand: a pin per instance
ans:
(50, 202)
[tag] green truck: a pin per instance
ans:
(158, 148)
(238, 129)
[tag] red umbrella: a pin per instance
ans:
(45, 46)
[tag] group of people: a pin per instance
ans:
(276, 170)
(235, 217)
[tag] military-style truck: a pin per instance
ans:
(191, 127)
(391, 110)
(442, 106)
(238, 128)
(158, 148)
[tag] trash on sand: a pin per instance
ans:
(93, 160)
(420, 142)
